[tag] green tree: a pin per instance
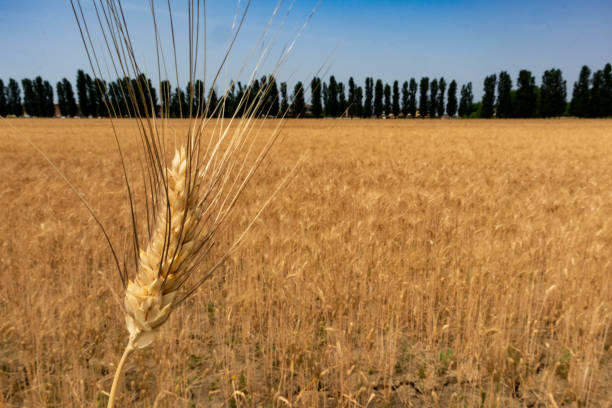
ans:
(39, 97)
(178, 102)
(144, 101)
(351, 98)
(378, 98)
(165, 94)
(451, 105)
(297, 104)
(423, 100)
(331, 101)
(239, 99)
(284, 106)
(405, 97)
(92, 96)
(433, 98)
(213, 102)
(29, 97)
(272, 104)
(526, 97)
(396, 99)
(255, 98)
(358, 102)
(61, 99)
(412, 92)
(315, 102)
(440, 101)
(488, 99)
(118, 99)
(369, 95)
(190, 97)
(49, 106)
(504, 95)
(81, 84)
(596, 100)
(387, 100)
(607, 91)
(231, 103)
(342, 105)
(71, 108)
(13, 98)
(199, 96)
(580, 98)
(3, 99)
(466, 102)
(553, 93)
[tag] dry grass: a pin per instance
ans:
(408, 263)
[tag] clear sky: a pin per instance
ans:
(389, 39)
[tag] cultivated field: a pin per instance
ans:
(407, 263)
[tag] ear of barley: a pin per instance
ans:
(150, 297)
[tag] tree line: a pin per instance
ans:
(125, 97)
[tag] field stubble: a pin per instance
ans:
(407, 263)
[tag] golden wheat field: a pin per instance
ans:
(406, 263)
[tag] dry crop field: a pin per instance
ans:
(407, 263)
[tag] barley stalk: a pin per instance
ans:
(188, 201)
(149, 298)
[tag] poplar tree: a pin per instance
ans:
(351, 97)
(580, 98)
(71, 109)
(433, 99)
(3, 99)
(466, 103)
(273, 105)
(284, 106)
(81, 84)
(378, 98)
(596, 100)
(526, 97)
(451, 105)
(488, 99)
(165, 95)
(423, 100)
(387, 100)
(440, 102)
(177, 104)
(504, 95)
(61, 99)
(396, 99)
(29, 97)
(358, 102)
(331, 102)
(298, 105)
(213, 101)
(341, 99)
(369, 94)
(92, 96)
(13, 98)
(405, 97)
(412, 103)
(315, 87)
(607, 77)
(49, 106)
(40, 97)
(199, 94)
(553, 93)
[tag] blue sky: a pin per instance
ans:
(463, 40)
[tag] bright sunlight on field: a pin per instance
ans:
(406, 263)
